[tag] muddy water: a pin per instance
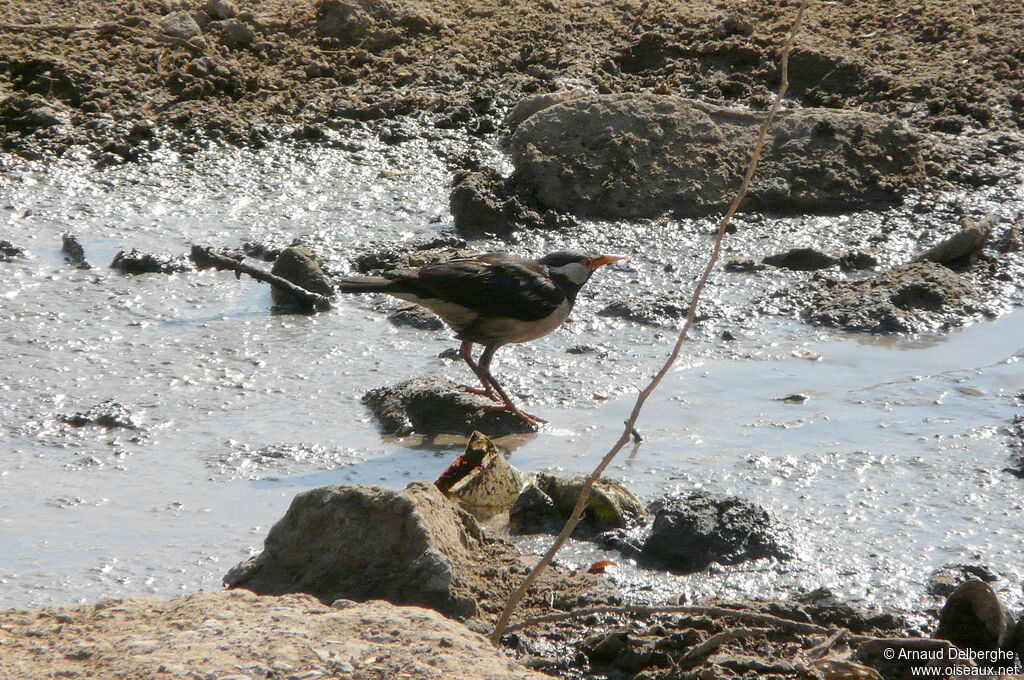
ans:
(890, 468)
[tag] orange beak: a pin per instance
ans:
(605, 259)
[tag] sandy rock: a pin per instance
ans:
(610, 506)
(431, 406)
(409, 547)
(916, 297)
(420, 543)
(180, 24)
(137, 262)
(237, 634)
(691, 532)
(303, 268)
(641, 155)
(538, 102)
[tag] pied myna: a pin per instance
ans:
(491, 300)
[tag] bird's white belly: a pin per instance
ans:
(516, 330)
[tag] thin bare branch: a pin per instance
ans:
(719, 639)
(207, 257)
(741, 615)
(630, 425)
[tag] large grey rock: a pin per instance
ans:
(365, 543)
(528, 106)
(691, 532)
(642, 155)
(432, 406)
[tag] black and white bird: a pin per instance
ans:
(492, 300)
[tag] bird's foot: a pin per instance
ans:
(483, 393)
(526, 417)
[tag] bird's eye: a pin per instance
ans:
(587, 262)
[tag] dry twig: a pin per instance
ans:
(748, 617)
(820, 650)
(630, 425)
(719, 639)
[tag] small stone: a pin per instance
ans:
(237, 34)
(794, 398)
(180, 24)
(220, 9)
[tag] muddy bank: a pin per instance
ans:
(126, 81)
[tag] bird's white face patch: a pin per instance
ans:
(574, 271)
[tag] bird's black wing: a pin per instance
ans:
(493, 285)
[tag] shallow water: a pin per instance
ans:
(891, 468)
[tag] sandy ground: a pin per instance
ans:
(108, 70)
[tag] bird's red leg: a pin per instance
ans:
(465, 351)
(485, 368)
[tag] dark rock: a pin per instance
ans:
(1017, 443)
(533, 512)
(137, 262)
(9, 251)
(796, 398)
(432, 406)
(690, 533)
(975, 618)
(417, 317)
(383, 258)
(643, 155)
(108, 414)
(742, 266)
(946, 578)
(73, 251)
(300, 266)
(911, 298)
(366, 543)
(21, 113)
(802, 260)
(857, 260)
(651, 309)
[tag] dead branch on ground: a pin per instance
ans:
(205, 257)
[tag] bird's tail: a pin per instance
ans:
(364, 284)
